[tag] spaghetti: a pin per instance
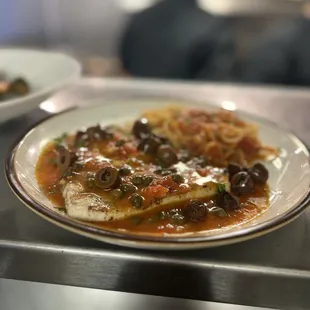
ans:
(220, 136)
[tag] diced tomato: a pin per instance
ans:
(127, 150)
(155, 191)
(167, 182)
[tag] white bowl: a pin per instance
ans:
(289, 177)
(45, 71)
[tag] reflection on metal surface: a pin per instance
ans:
(136, 5)
(19, 295)
(272, 270)
(253, 7)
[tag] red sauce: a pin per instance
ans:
(156, 221)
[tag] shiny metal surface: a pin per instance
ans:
(271, 271)
(51, 297)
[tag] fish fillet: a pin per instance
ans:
(93, 208)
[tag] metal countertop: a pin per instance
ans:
(271, 271)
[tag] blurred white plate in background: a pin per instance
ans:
(46, 72)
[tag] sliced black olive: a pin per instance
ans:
(19, 87)
(128, 188)
(137, 180)
(162, 139)
(117, 193)
(195, 210)
(125, 170)
(227, 201)
(149, 145)
(97, 133)
(65, 157)
(242, 183)
(217, 211)
(177, 178)
(166, 155)
(147, 180)
(141, 128)
(94, 133)
(81, 139)
(107, 177)
(259, 173)
(136, 200)
(233, 169)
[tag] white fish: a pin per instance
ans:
(93, 208)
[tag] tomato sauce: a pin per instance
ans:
(162, 220)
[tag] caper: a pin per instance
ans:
(136, 200)
(177, 178)
(137, 180)
(125, 170)
(120, 143)
(117, 193)
(128, 188)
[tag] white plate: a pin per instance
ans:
(46, 73)
(289, 177)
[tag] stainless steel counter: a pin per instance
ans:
(271, 271)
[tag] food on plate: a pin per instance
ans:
(175, 170)
(13, 88)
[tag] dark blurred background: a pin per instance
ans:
(243, 41)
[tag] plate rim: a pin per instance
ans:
(99, 233)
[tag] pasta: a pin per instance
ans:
(220, 136)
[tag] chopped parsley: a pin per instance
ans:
(52, 190)
(221, 188)
(59, 140)
(53, 161)
(120, 143)
(187, 121)
(80, 143)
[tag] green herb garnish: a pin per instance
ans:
(119, 143)
(221, 188)
(53, 161)
(59, 140)
(187, 121)
(80, 143)
(52, 191)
